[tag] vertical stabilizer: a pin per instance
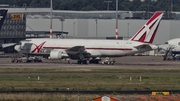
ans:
(3, 13)
(148, 32)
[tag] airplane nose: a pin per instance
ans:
(17, 48)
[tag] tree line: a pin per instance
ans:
(89, 5)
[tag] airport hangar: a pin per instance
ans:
(86, 24)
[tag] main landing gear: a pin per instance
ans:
(82, 62)
(107, 61)
(90, 61)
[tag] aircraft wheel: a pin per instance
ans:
(96, 62)
(90, 61)
(79, 62)
(174, 58)
(112, 63)
(84, 61)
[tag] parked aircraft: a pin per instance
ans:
(91, 50)
(171, 48)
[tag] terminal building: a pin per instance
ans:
(13, 29)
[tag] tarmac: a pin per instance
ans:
(128, 62)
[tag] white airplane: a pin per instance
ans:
(171, 47)
(91, 50)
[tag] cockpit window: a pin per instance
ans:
(166, 43)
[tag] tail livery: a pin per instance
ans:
(148, 32)
(3, 13)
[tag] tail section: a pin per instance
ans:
(3, 13)
(148, 32)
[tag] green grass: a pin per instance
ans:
(89, 79)
(82, 79)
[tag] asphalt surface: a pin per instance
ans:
(128, 62)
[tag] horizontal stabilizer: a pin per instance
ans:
(146, 47)
(7, 45)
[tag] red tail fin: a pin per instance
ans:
(148, 32)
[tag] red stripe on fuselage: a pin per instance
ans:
(90, 48)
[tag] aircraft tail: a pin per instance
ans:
(148, 32)
(3, 13)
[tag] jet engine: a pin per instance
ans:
(58, 54)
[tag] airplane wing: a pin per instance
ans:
(7, 45)
(146, 47)
(77, 49)
(79, 52)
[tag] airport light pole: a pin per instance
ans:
(128, 29)
(171, 6)
(148, 7)
(108, 4)
(148, 11)
(74, 27)
(51, 22)
(171, 9)
(62, 25)
(25, 5)
(96, 27)
(116, 19)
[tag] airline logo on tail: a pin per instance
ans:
(148, 32)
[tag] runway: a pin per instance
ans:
(128, 62)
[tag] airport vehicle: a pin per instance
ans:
(92, 50)
(25, 59)
(36, 59)
(171, 48)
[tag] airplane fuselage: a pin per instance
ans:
(106, 48)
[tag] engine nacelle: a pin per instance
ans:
(58, 54)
